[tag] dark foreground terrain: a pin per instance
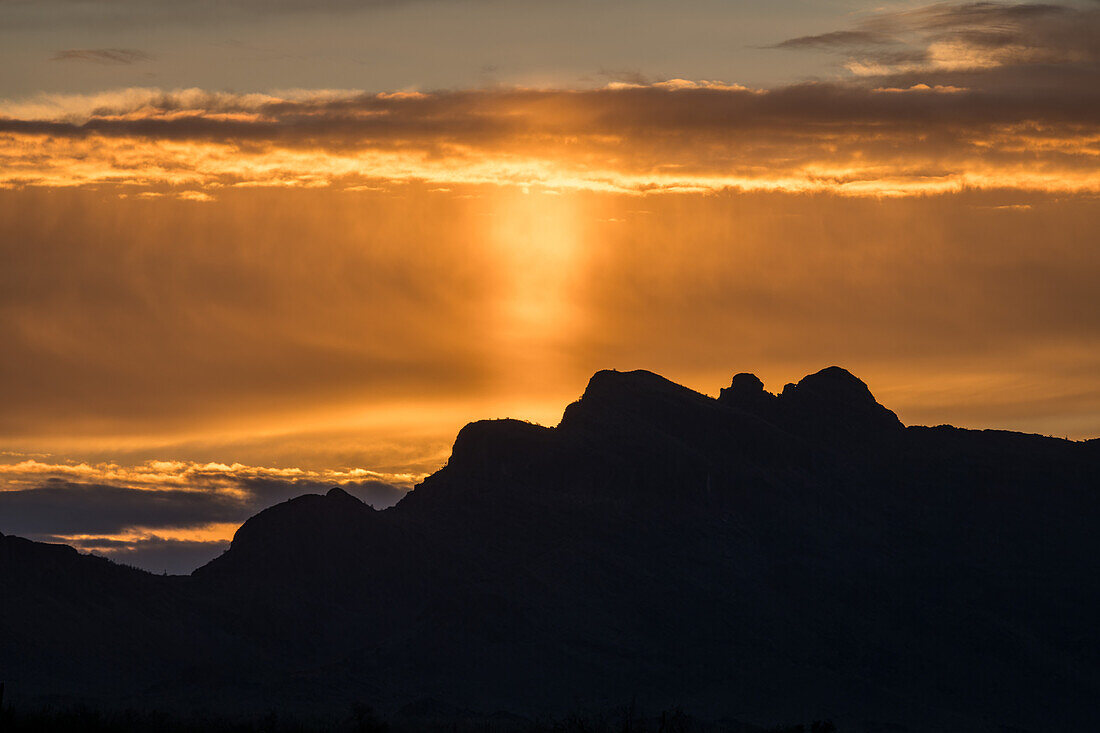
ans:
(363, 719)
(755, 559)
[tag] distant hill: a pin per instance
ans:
(757, 557)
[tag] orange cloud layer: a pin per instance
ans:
(182, 475)
(184, 510)
(671, 136)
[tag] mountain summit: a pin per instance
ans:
(753, 556)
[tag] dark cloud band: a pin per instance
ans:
(110, 56)
(60, 508)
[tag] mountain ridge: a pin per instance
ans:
(742, 556)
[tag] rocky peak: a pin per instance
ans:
(487, 445)
(336, 494)
(613, 396)
(613, 384)
(836, 397)
(746, 391)
(304, 527)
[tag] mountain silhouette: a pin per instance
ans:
(756, 557)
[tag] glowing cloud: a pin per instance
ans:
(666, 137)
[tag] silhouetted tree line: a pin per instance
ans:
(363, 719)
(818, 726)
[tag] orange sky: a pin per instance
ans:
(213, 300)
(148, 321)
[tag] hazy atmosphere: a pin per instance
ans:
(252, 250)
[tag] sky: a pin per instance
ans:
(256, 249)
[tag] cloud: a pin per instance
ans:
(838, 39)
(63, 508)
(194, 196)
(968, 38)
(106, 56)
(983, 96)
(106, 498)
(155, 554)
(162, 512)
(676, 135)
(152, 553)
(192, 475)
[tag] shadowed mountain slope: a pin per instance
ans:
(756, 556)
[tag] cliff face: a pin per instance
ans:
(760, 556)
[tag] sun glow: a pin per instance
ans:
(538, 236)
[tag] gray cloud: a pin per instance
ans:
(979, 40)
(99, 513)
(105, 56)
(624, 76)
(838, 39)
(951, 16)
(58, 507)
(267, 491)
(156, 554)
(491, 117)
